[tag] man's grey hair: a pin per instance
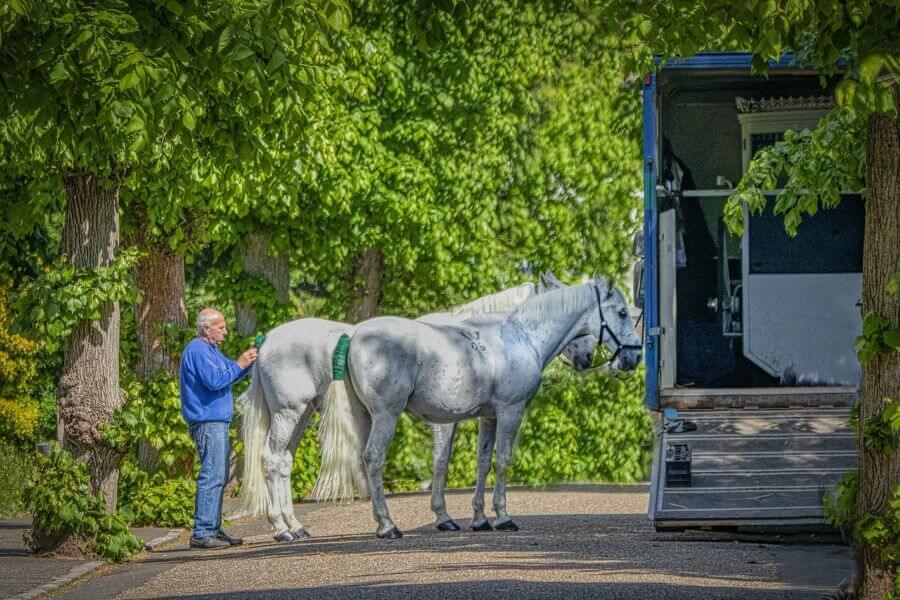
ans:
(205, 318)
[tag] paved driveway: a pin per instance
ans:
(575, 542)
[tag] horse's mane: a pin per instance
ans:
(562, 299)
(502, 302)
(568, 298)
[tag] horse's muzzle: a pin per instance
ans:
(628, 360)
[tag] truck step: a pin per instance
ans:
(753, 466)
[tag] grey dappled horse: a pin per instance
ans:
(290, 379)
(487, 367)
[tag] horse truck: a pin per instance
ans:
(751, 372)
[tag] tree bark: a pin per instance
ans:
(365, 300)
(88, 392)
(879, 471)
(259, 261)
(160, 279)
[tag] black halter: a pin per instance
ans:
(604, 328)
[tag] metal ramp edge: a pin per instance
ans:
(755, 467)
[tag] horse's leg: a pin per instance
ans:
(384, 425)
(487, 429)
(277, 468)
(507, 427)
(443, 435)
(287, 500)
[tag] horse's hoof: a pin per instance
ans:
(485, 526)
(391, 534)
(300, 534)
(284, 536)
(506, 526)
(447, 526)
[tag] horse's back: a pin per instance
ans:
(296, 357)
(441, 373)
(383, 348)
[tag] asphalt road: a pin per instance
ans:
(575, 542)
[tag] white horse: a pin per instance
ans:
(290, 380)
(487, 367)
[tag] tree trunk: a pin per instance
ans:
(879, 471)
(260, 262)
(88, 392)
(365, 300)
(160, 279)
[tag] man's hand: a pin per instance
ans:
(247, 358)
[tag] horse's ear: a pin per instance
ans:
(604, 284)
(542, 285)
(551, 280)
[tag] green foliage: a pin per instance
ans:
(818, 165)
(19, 378)
(509, 144)
(159, 499)
(307, 461)
(822, 33)
(840, 503)
(256, 293)
(16, 465)
(883, 532)
(579, 427)
(60, 500)
(118, 83)
(50, 306)
(152, 413)
(877, 338)
(882, 431)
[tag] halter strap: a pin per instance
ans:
(604, 327)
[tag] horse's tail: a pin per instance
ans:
(343, 432)
(254, 493)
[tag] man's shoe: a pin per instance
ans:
(208, 543)
(232, 541)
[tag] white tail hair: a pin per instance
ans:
(342, 437)
(254, 492)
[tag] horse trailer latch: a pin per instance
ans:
(656, 331)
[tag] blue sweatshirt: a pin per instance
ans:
(206, 378)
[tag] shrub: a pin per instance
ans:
(156, 499)
(15, 467)
(152, 413)
(19, 415)
(579, 427)
(63, 508)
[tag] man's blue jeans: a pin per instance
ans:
(213, 446)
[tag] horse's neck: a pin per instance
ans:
(550, 321)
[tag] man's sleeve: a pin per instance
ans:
(215, 374)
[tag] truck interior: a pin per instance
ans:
(756, 368)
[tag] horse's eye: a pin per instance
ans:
(623, 313)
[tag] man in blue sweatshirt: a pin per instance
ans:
(206, 378)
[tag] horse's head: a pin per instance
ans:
(579, 353)
(616, 328)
